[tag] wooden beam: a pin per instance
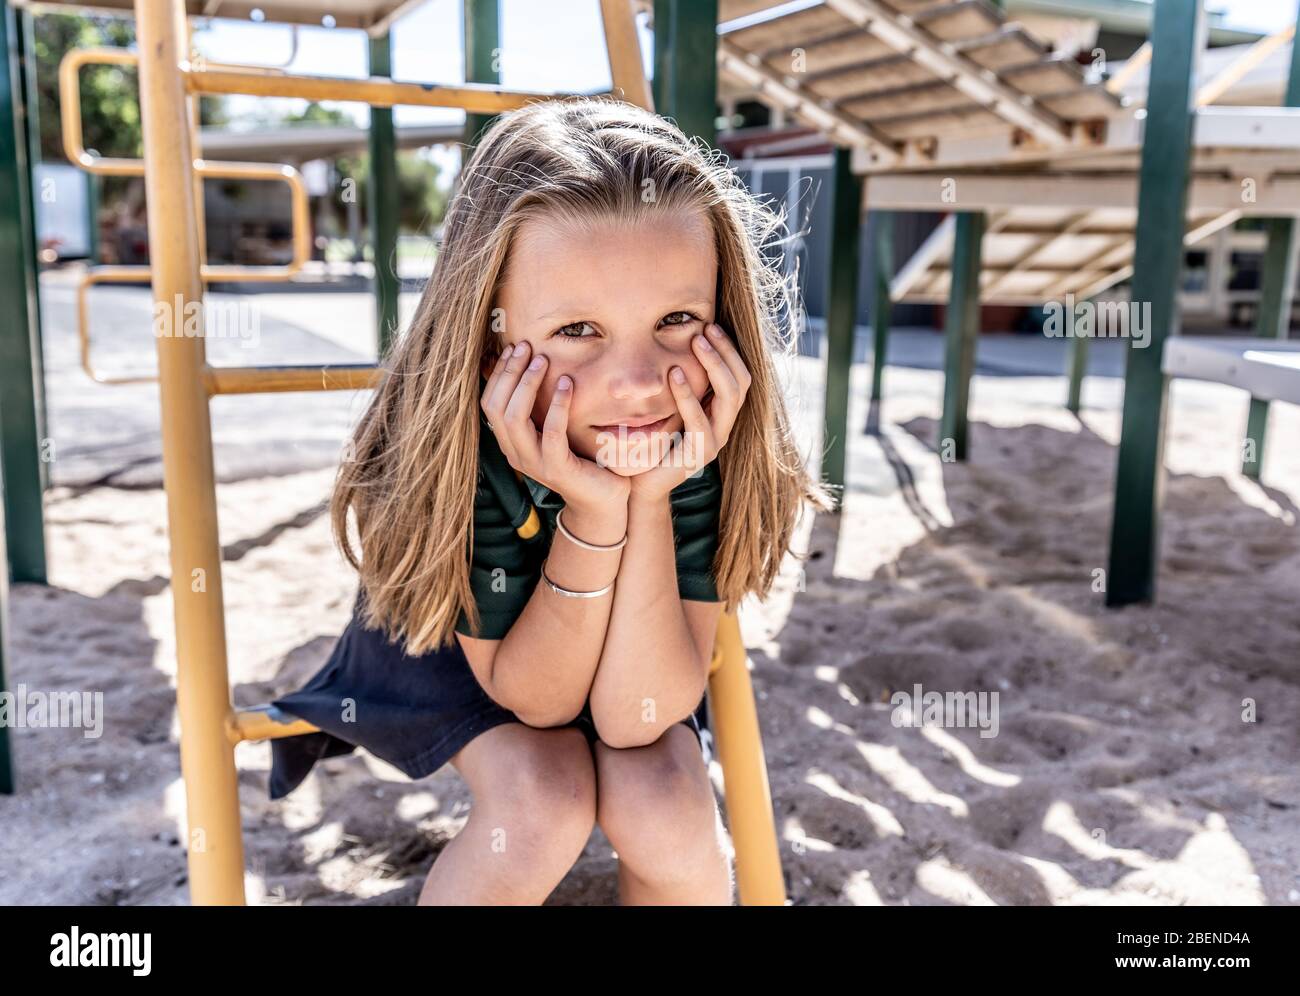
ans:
(943, 59)
(626, 68)
(1249, 59)
(838, 127)
(1050, 239)
(1131, 67)
(1274, 194)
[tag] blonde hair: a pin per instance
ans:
(412, 478)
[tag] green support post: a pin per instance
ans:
(884, 271)
(1078, 369)
(31, 107)
(962, 329)
(1177, 37)
(482, 33)
(841, 312)
(6, 756)
(384, 200)
(1277, 290)
(21, 384)
(685, 84)
(92, 218)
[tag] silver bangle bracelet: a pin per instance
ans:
(559, 522)
(575, 594)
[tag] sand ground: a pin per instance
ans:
(1127, 767)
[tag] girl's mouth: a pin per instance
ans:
(633, 431)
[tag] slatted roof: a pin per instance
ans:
(1036, 254)
(937, 92)
(895, 77)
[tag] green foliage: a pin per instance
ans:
(110, 97)
(111, 126)
(110, 110)
(421, 204)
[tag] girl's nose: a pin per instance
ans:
(639, 372)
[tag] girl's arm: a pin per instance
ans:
(654, 665)
(543, 668)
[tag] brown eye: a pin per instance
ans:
(687, 318)
(562, 332)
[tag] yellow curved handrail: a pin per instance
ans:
(74, 149)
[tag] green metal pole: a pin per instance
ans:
(841, 312)
(6, 756)
(1078, 369)
(21, 385)
(962, 329)
(383, 200)
(31, 105)
(1277, 291)
(92, 218)
(1177, 37)
(685, 84)
(880, 319)
(482, 31)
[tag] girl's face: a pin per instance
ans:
(615, 308)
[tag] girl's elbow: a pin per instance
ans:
(543, 716)
(623, 738)
(622, 731)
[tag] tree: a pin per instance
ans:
(421, 204)
(110, 109)
(110, 95)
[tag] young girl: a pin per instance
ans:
(578, 457)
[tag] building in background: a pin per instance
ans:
(790, 164)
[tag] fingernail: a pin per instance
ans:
(537, 362)
(678, 375)
(715, 330)
(564, 383)
(519, 349)
(704, 343)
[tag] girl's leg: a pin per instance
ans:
(534, 809)
(656, 806)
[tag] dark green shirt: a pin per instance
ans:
(514, 523)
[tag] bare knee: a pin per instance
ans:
(537, 796)
(656, 804)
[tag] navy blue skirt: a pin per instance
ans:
(415, 712)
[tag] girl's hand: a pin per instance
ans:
(706, 432)
(508, 401)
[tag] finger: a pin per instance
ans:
(495, 395)
(555, 431)
(721, 342)
(507, 379)
(518, 421)
(727, 394)
(725, 348)
(697, 443)
(495, 375)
